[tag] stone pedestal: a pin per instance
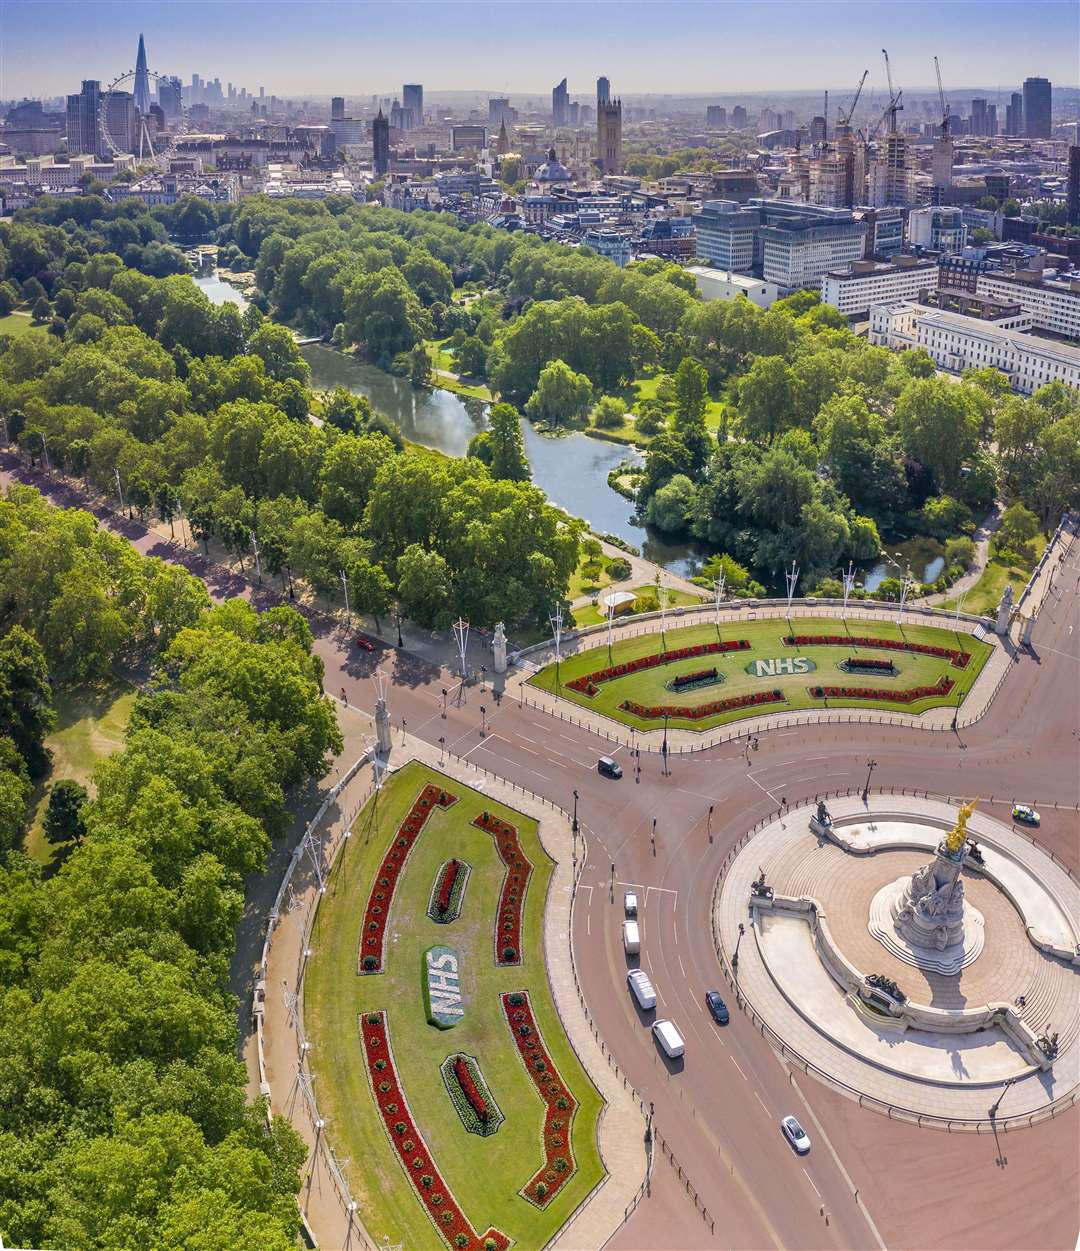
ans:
(1029, 625)
(500, 647)
(1004, 612)
(382, 728)
(930, 912)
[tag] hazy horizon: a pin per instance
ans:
(685, 49)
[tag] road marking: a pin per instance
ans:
(741, 1073)
(716, 1031)
(762, 1102)
(682, 970)
(667, 890)
(811, 1181)
(1058, 652)
(589, 889)
(528, 749)
(486, 742)
(836, 1159)
(762, 788)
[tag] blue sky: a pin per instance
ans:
(357, 48)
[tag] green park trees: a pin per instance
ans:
(561, 396)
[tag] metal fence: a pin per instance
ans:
(896, 1112)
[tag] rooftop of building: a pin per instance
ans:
(957, 322)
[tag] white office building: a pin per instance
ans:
(722, 284)
(938, 228)
(855, 290)
(957, 343)
(1054, 304)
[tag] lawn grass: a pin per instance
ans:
(484, 1174)
(18, 324)
(596, 614)
(89, 727)
(645, 389)
(984, 596)
(446, 377)
(649, 688)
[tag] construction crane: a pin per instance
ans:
(944, 104)
(844, 119)
(896, 98)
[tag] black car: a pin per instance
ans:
(717, 1007)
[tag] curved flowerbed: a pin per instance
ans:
(410, 1148)
(589, 683)
(515, 883)
(372, 935)
(958, 658)
(448, 891)
(696, 712)
(470, 1095)
(559, 1104)
(942, 687)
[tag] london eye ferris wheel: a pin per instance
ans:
(128, 119)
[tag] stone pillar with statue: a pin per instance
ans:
(499, 645)
(1005, 610)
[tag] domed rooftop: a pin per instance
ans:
(552, 170)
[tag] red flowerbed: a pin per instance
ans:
(370, 956)
(869, 663)
(446, 886)
(942, 687)
(588, 683)
(958, 658)
(515, 883)
(559, 1104)
(412, 1151)
(657, 711)
(688, 679)
(469, 1089)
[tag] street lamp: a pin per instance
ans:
(871, 765)
(483, 721)
(397, 622)
(664, 747)
(574, 823)
(442, 747)
(997, 1102)
(709, 824)
(735, 954)
(445, 692)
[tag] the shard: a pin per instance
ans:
(142, 81)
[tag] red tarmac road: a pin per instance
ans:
(916, 1188)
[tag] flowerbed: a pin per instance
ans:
(656, 711)
(515, 883)
(687, 681)
(588, 683)
(470, 1095)
(942, 687)
(958, 658)
(448, 892)
(867, 664)
(559, 1104)
(411, 1150)
(370, 955)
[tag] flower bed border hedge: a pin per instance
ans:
(869, 665)
(557, 1133)
(409, 1146)
(958, 658)
(460, 1099)
(695, 712)
(457, 892)
(392, 866)
(942, 687)
(695, 681)
(515, 885)
(589, 683)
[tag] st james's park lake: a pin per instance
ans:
(571, 469)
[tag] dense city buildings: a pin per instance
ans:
(854, 290)
(609, 136)
(560, 105)
(412, 104)
(380, 140)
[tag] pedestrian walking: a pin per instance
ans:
(344, 697)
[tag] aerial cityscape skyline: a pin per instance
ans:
(366, 47)
(540, 625)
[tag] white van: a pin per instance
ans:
(644, 993)
(669, 1038)
(631, 938)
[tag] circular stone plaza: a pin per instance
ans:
(915, 956)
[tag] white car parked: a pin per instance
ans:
(795, 1134)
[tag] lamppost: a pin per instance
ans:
(791, 579)
(483, 720)
(258, 563)
(556, 620)
(871, 765)
(664, 747)
(345, 588)
(483, 676)
(442, 747)
(997, 1102)
(397, 622)
(119, 488)
(574, 829)
(709, 824)
(445, 692)
(735, 954)
(849, 582)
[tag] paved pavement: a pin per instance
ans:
(876, 1182)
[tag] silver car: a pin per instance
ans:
(795, 1134)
